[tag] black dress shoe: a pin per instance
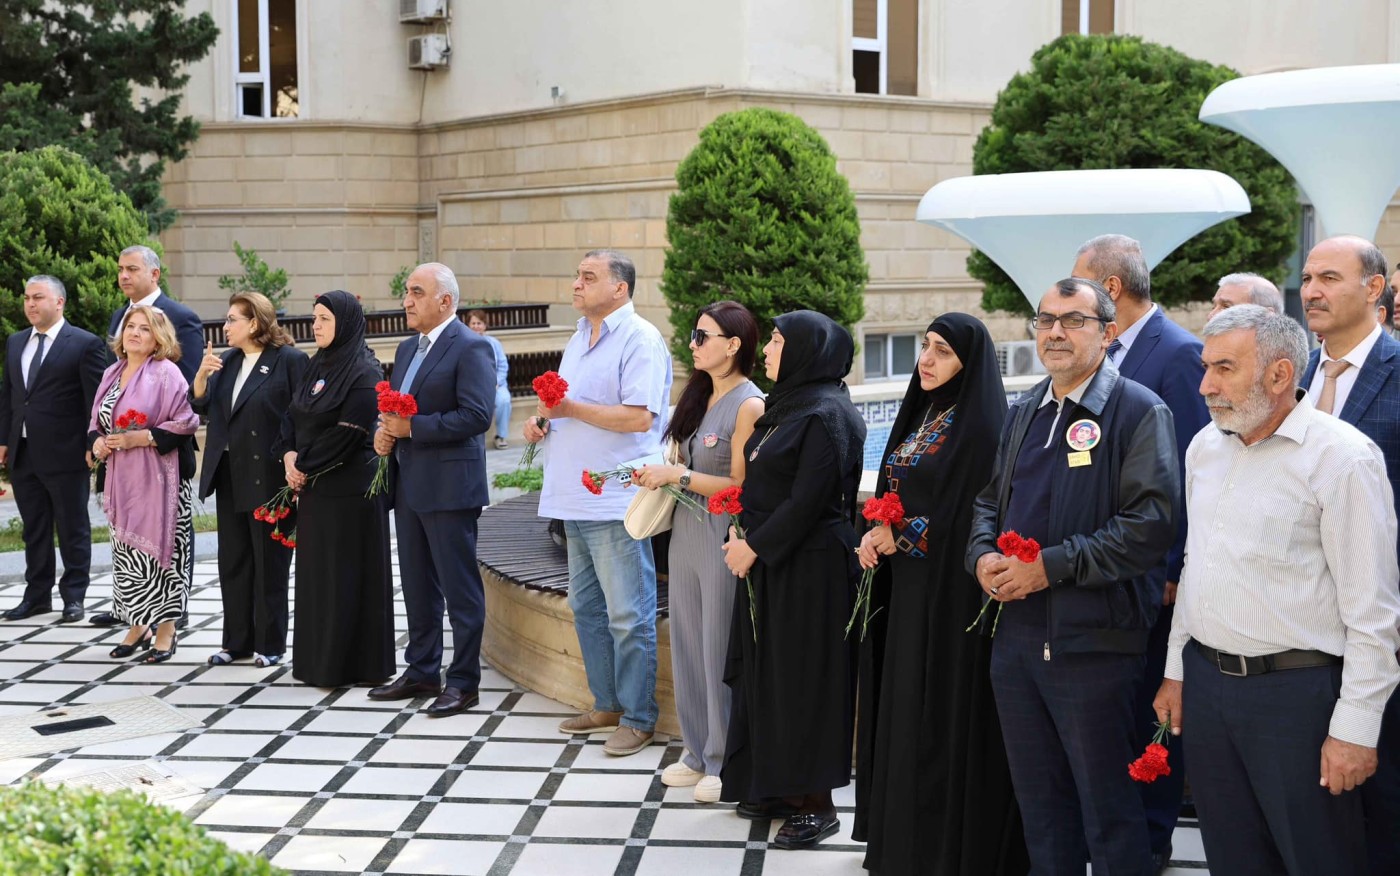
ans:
(27, 609)
(1161, 859)
(766, 810)
(806, 830)
(452, 701)
(72, 613)
(104, 619)
(404, 688)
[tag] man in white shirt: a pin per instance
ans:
(1290, 568)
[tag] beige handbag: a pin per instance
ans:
(651, 510)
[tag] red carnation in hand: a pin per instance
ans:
(551, 388)
(727, 501)
(140, 419)
(593, 483)
(382, 387)
(888, 509)
(1011, 544)
(1153, 763)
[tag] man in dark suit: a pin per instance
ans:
(51, 375)
(438, 460)
(1358, 380)
(138, 275)
(1164, 357)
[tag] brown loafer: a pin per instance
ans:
(590, 722)
(627, 740)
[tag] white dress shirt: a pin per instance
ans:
(1347, 379)
(26, 356)
(1292, 545)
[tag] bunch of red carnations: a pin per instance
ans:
(729, 501)
(274, 511)
(551, 389)
(400, 404)
(1013, 546)
(129, 421)
(887, 510)
(1152, 765)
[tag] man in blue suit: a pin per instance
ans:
(438, 472)
(138, 276)
(1162, 356)
(1359, 381)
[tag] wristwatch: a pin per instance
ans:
(685, 480)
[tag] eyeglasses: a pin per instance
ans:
(1043, 322)
(230, 320)
(698, 337)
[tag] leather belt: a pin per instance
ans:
(1238, 666)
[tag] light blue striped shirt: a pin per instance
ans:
(629, 365)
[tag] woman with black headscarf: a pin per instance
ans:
(344, 616)
(933, 791)
(791, 668)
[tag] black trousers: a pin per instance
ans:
(437, 565)
(253, 571)
(1380, 796)
(1255, 746)
(48, 503)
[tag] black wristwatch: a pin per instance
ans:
(685, 480)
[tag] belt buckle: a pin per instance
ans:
(1220, 664)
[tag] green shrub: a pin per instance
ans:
(1118, 101)
(59, 215)
(762, 216)
(77, 831)
(528, 480)
(396, 285)
(257, 276)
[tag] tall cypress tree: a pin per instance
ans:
(69, 68)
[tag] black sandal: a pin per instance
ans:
(123, 651)
(158, 656)
(806, 830)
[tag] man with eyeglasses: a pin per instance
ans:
(619, 375)
(1088, 468)
(1152, 350)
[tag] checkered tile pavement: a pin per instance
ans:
(328, 781)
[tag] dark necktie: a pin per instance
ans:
(35, 363)
(1115, 347)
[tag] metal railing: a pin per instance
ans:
(388, 323)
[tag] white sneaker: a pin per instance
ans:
(678, 775)
(707, 790)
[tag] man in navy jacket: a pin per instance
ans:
(1164, 357)
(1087, 466)
(438, 476)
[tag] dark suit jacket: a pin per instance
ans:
(1373, 405)
(189, 331)
(57, 411)
(443, 466)
(246, 427)
(1166, 359)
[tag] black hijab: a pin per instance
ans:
(345, 364)
(817, 355)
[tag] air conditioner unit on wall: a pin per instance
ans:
(1017, 358)
(422, 11)
(428, 52)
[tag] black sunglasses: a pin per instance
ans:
(698, 337)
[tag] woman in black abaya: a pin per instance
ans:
(933, 790)
(790, 725)
(344, 602)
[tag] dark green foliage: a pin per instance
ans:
(1118, 101)
(528, 480)
(763, 217)
(70, 68)
(69, 830)
(59, 215)
(257, 276)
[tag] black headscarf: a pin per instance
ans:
(817, 355)
(345, 364)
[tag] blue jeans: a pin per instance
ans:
(612, 592)
(502, 412)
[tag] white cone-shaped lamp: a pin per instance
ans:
(1336, 129)
(1031, 224)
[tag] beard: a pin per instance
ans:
(1243, 417)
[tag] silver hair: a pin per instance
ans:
(446, 282)
(52, 282)
(147, 255)
(1261, 290)
(1276, 336)
(619, 266)
(1117, 255)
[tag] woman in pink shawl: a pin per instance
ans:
(142, 430)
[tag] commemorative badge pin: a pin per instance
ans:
(1083, 435)
(710, 439)
(318, 386)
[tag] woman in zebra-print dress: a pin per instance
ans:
(142, 430)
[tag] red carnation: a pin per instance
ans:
(1152, 765)
(1012, 544)
(551, 388)
(382, 387)
(726, 501)
(888, 509)
(593, 482)
(140, 419)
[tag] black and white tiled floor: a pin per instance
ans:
(327, 781)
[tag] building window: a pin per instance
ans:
(1086, 16)
(890, 356)
(265, 67)
(885, 46)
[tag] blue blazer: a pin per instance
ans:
(1373, 405)
(189, 331)
(443, 466)
(1166, 359)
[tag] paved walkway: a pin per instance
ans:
(327, 781)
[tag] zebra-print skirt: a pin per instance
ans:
(144, 593)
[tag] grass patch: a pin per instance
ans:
(12, 533)
(528, 480)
